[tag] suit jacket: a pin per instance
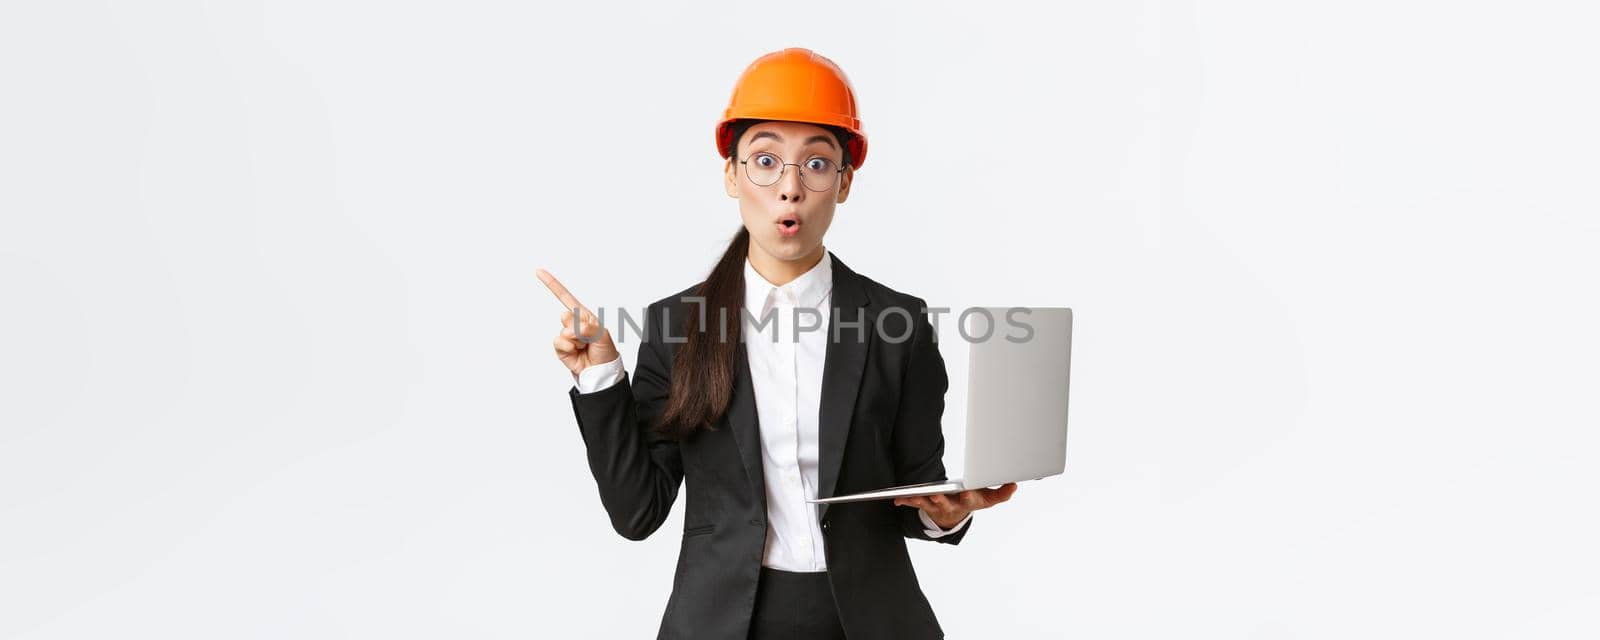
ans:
(883, 386)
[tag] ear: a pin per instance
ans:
(844, 184)
(729, 180)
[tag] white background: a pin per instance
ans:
(274, 362)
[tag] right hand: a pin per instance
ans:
(578, 354)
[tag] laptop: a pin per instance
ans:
(1016, 402)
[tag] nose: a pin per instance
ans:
(789, 187)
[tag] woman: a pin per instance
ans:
(781, 377)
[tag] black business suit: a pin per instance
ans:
(883, 386)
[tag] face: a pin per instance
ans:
(786, 219)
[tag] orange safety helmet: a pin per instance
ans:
(798, 85)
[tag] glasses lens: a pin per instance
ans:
(763, 169)
(819, 174)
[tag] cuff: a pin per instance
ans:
(932, 528)
(597, 377)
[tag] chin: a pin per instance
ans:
(787, 249)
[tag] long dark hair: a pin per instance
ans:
(702, 371)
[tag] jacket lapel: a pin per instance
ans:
(746, 429)
(841, 373)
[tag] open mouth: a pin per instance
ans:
(788, 227)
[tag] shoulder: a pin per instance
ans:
(897, 315)
(670, 311)
(883, 296)
(674, 302)
(880, 297)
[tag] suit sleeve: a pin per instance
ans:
(636, 470)
(918, 440)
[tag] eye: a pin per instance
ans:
(766, 160)
(819, 165)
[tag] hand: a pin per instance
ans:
(948, 510)
(573, 352)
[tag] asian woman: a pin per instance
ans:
(783, 376)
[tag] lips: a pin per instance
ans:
(788, 226)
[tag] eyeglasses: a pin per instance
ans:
(765, 169)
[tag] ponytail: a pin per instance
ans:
(702, 372)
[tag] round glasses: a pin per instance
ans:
(765, 169)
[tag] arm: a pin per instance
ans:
(917, 445)
(636, 470)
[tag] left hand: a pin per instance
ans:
(949, 509)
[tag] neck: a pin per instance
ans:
(780, 272)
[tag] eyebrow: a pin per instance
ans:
(768, 134)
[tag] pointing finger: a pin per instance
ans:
(555, 287)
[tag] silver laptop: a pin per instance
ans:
(1016, 402)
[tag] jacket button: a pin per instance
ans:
(825, 524)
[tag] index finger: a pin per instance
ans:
(561, 292)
